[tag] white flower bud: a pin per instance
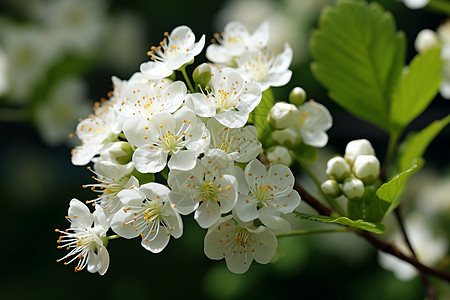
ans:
(366, 168)
(202, 74)
(338, 169)
(331, 188)
(353, 188)
(358, 147)
(426, 39)
(287, 137)
(283, 115)
(279, 155)
(297, 96)
(120, 152)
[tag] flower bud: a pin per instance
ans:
(279, 155)
(297, 96)
(366, 168)
(338, 169)
(283, 115)
(353, 188)
(202, 74)
(287, 137)
(426, 39)
(331, 188)
(358, 147)
(120, 152)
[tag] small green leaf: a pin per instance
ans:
(417, 87)
(259, 116)
(359, 58)
(305, 153)
(416, 144)
(392, 190)
(370, 207)
(360, 224)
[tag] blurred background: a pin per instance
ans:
(57, 58)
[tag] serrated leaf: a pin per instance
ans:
(416, 143)
(359, 57)
(259, 116)
(392, 190)
(360, 224)
(417, 87)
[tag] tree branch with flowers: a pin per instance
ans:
(218, 146)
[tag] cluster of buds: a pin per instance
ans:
(297, 123)
(348, 175)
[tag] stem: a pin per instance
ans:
(307, 232)
(430, 291)
(392, 144)
(113, 237)
(331, 201)
(186, 78)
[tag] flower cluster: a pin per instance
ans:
(162, 148)
(349, 174)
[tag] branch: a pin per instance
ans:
(376, 242)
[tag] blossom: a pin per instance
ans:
(148, 213)
(111, 179)
(85, 241)
(265, 67)
(228, 98)
(266, 194)
(314, 120)
(176, 50)
(416, 4)
(239, 243)
(241, 144)
(209, 189)
(181, 135)
(151, 97)
(235, 40)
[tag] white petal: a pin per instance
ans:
(173, 96)
(246, 208)
(183, 160)
(173, 220)
(79, 214)
(156, 241)
(82, 155)
(207, 214)
(232, 118)
(272, 219)
(100, 223)
(201, 105)
(122, 218)
(155, 191)
(229, 194)
(238, 173)
(155, 70)
(265, 250)
(149, 160)
(104, 260)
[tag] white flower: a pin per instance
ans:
(96, 132)
(182, 136)
(151, 97)
(265, 194)
(425, 40)
(57, 116)
(428, 247)
(235, 40)
(174, 51)
(366, 168)
(338, 169)
(416, 4)
(279, 155)
(287, 137)
(228, 98)
(353, 188)
(356, 148)
(147, 212)
(240, 243)
(84, 240)
(241, 144)
(314, 120)
(209, 189)
(266, 67)
(283, 115)
(111, 179)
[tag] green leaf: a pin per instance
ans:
(392, 190)
(305, 153)
(360, 224)
(416, 144)
(370, 207)
(359, 58)
(417, 87)
(259, 116)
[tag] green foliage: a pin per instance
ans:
(416, 144)
(305, 153)
(259, 116)
(370, 207)
(359, 58)
(359, 224)
(417, 88)
(392, 190)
